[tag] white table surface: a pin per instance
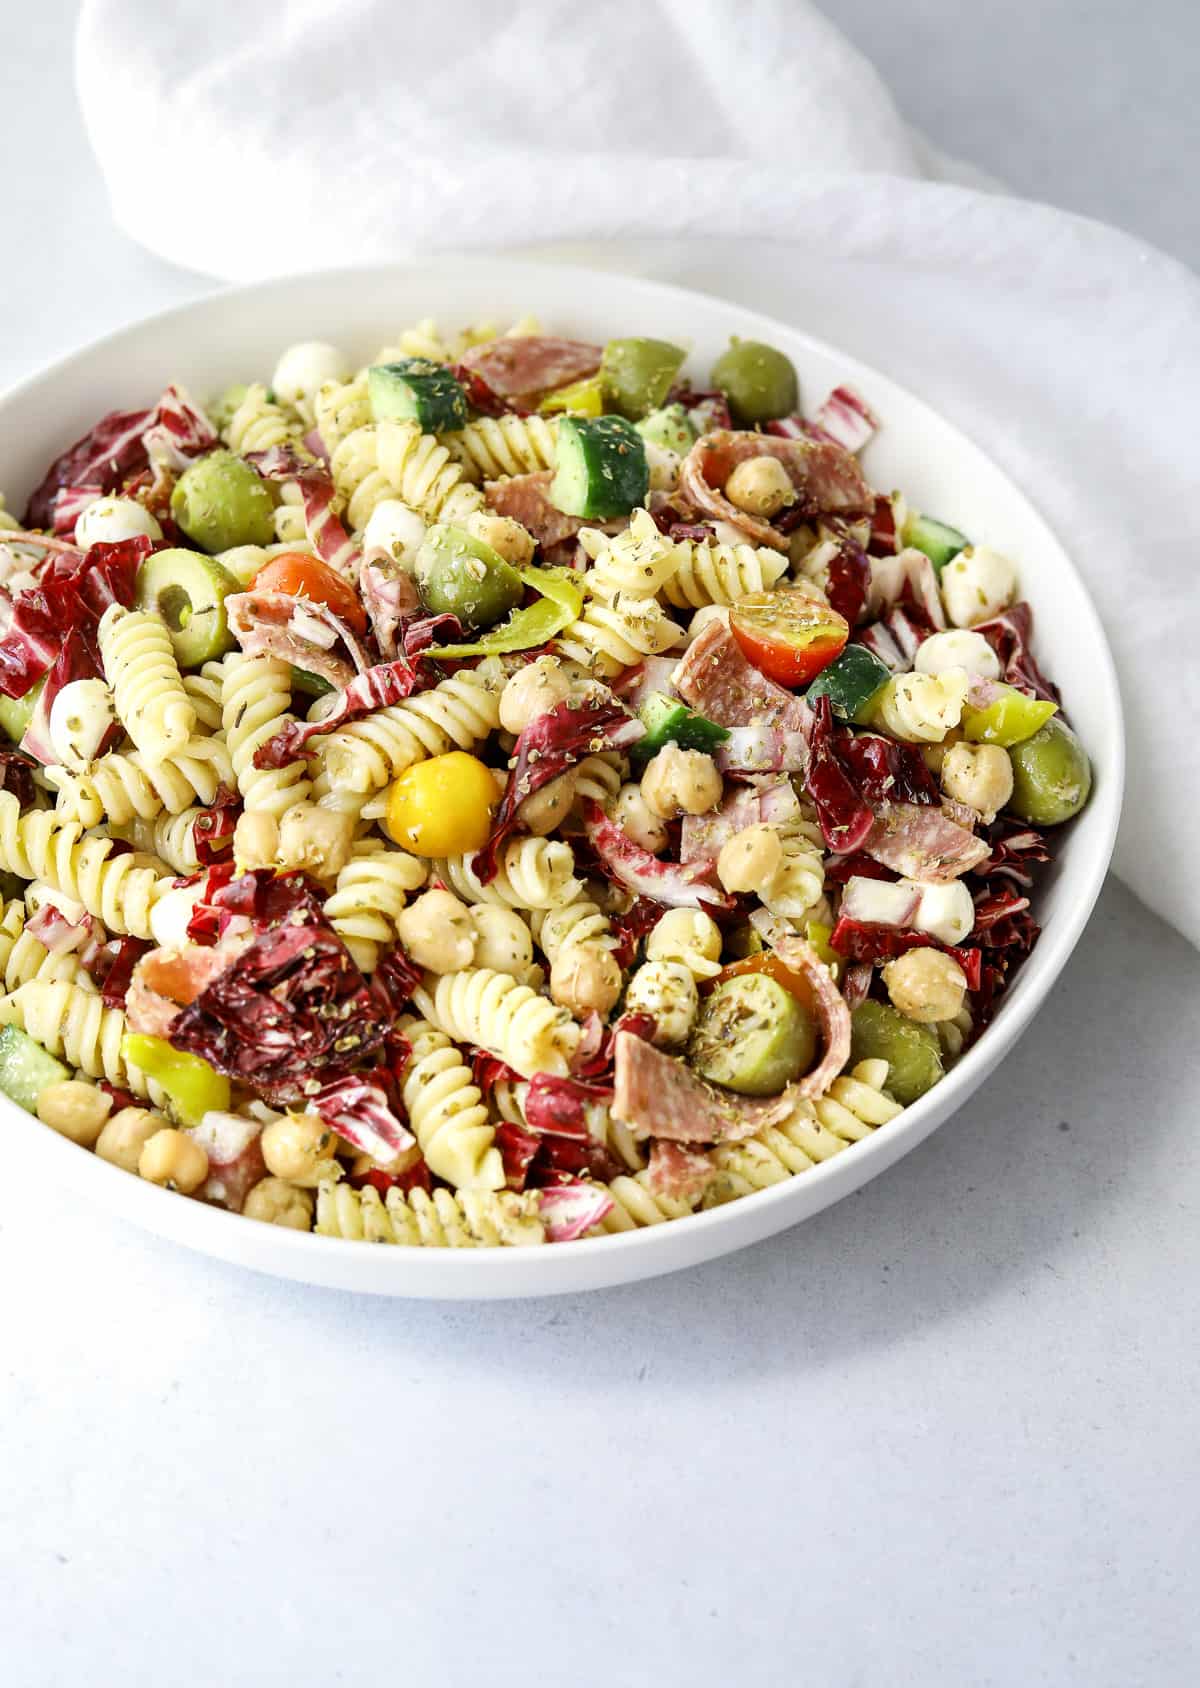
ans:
(943, 1434)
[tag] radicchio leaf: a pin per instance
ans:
(16, 775)
(550, 745)
(849, 580)
(386, 683)
(883, 770)
(571, 1210)
(111, 967)
(329, 538)
(73, 590)
(1011, 637)
(667, 883)
(358, 1108)
(860, 940)
(845, 818)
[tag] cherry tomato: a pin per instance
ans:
(301, 576)
(786, 634)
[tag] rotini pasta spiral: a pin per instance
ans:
(637, 563)
(921, 708)
(855, 1106)
(172, 838)
(119, 890)
(258, 423)
(494, 446)
(600, 776)
(580, 921)
(24, 957)
(496, 1014)
(256, 693)
(123, 785)
(370, 892)
(454, 714)
(470, 1219)
(610, 636)
(74, 1024)
(800, 881)
(140, 667)
(954, 1034)
(396, 460)
(532, 873)
(204, 693)
(446, 1111)
(340, 407)
(720, 574)
(636, 1204)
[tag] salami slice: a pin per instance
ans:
(658, 1096)
(829, 1006)
(716, 678)
(521, 366)
(526, 498)
(919, 841)
(827, 479)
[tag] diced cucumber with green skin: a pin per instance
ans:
(938, 540)
(669, 428)
(753, 1036)
(879, 1032)
(417, 390)
(667, 721)
(26, 1069)
(602, 469)
(17, 712)
(310, 685)
(188, 590)
(851, 683)
(637, 374)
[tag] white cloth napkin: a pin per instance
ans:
(749, 150)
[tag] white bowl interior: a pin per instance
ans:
(236, 335)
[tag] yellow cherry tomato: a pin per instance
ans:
(442, 807)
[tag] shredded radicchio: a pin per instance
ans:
(861, 940)
(329, 538)
(291, 1012)
(849, 579)
(359, 1109)
(549, 746)
(1011, 637)
(667, 883)
(111, 966)
(845, 817)
(884, 770)
(386, 683)
(16, 775)
(73, 590)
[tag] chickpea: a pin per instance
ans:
(276, 1203)
(751, 860)
(256, 841)
(315, 840)
(437, 931)
(172, 1159)
(761, 486)
(585, 977)
(666, 990)
(632, 813)
(531, 692)
(925, 985)
(979, 775)
(74, 1109)
(298, 1148)
(681, 782)
(546, 810)
(503, 941)
(506, 536)
(125, 1136)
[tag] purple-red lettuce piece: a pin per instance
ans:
(884, 770)
(358, 1108)
(849, 580)
(73, 590)
(1018, 851)
(214, 827)
(58, 933)
(395, 978)
(551, 745)
(571, 1210)
(1011, 637)
(329, 538)
(16, 775)
(667, 883)
(861, 940)
(845, 817)
(111, 966)
(386, 683)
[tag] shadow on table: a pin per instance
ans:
(999, 1193)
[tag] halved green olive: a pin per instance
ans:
(187, 590)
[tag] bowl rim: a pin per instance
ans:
(205, 1228)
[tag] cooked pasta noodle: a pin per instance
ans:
(119, 890)
(446, 1111)
(720, 574)
(140, 667)
(74, 1024)
(256, 694)
(469, 1219)
(370, 892)
(612, 635)
(492, 447)
(508, 1020)
(121, 786)
(532, 873)
(396, 460)
(638, 563)
(258, 423)
(455, 713)
(855, 1106)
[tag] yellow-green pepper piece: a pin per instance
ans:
(818, 935)
(1008, 719)
(584, 398)
(192, 1087)
(559, 604)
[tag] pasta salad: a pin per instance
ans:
(505, 793)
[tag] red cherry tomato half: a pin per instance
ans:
(301, 576)
(786, 634)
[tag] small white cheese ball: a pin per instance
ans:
(663, 464)
(667, 991)
(304, 368)
(81, 717)
(977, 584)
(946, 912)
(110, 519)
(170, 915)
(395, 530)
(959, 647)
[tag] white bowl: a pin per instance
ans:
(236, 335)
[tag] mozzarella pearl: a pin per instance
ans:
(107, 520)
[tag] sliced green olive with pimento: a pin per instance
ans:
(753, 1036)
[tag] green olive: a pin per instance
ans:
(637, 374)
(1052, 776)
(460, 575)
(187, 591)
(759, 382)
(221, 502)
(879, 1033)
(753, 1036)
